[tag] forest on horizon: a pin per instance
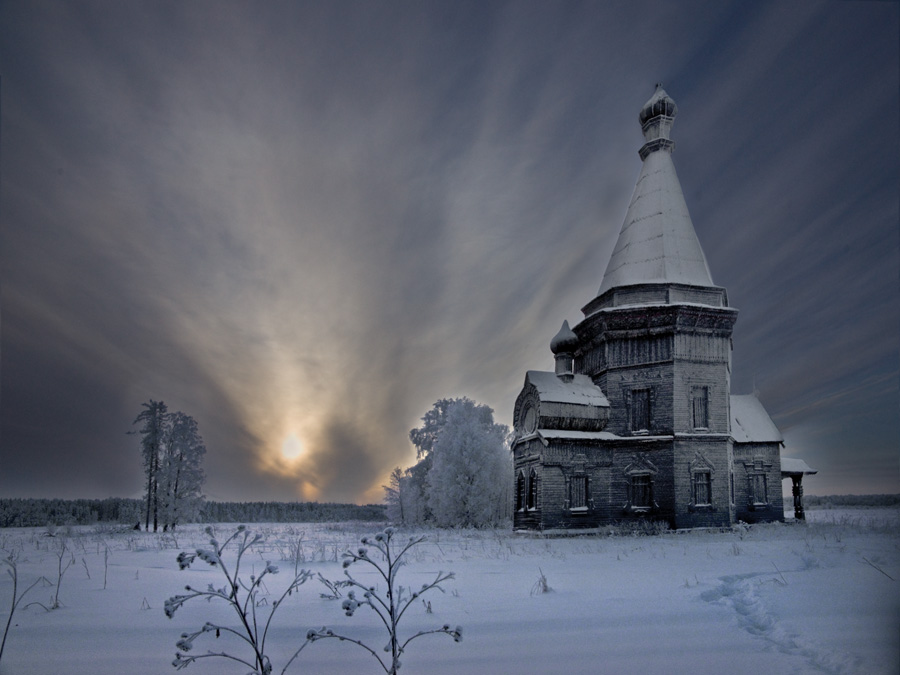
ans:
(38, 512)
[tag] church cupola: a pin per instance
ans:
(563, 346)
(657, 117)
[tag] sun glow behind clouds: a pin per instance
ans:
(292, 447)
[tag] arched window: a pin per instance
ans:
(520, 490)
(531, 500)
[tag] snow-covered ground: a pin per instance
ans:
(820, 597)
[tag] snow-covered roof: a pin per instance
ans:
(577, 435)
(794, 465)
(580, 390)
(750, 423)
(657, 243)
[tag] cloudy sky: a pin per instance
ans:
(311, 220)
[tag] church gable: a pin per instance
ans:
(548, 402)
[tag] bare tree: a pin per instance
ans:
(393, 496)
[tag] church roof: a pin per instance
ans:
(580, 390)
(657, 243)
(750, 423)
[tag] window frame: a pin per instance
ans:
(701, 481)
(754, 480)
(579, 485)
(642, 394)
(700, 407)
(641, 484)
(521, 491)
(531, 494)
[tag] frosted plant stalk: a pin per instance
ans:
(391, 607)
(13, 573)
(240, 596)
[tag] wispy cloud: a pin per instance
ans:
(318, 219)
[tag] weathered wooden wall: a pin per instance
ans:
(755, 458)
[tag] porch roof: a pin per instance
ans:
(793, 466)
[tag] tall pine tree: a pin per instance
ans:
(154, 420)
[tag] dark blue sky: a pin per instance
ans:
(316, 219)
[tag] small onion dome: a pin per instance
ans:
(659, 104)
(565, 341)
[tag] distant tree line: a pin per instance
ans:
(41, 512)
(840, 501)
(289, 512)
(19, 512)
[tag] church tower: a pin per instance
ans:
(657, 341)
(650, 369)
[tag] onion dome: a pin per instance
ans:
(565, 341)
(660, 104)
(657, 117)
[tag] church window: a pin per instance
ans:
(578, 493)
(641, 491)
(702, 488)
(520, 491)
(640, 410)
(531, 499)
(758, 492)
(700, 407)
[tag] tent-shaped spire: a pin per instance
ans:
(657, 243)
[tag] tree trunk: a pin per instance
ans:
(149, 493)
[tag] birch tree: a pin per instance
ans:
(181, 474)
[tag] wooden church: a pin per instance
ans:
(637, 421)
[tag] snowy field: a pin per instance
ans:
(819, 597)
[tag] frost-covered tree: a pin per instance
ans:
(470, 468)
(181, 476)
(463, 477)
(172, 452)
(406, 496)
(154, 420)
(433, 422)
(414, 490)
(393, 496)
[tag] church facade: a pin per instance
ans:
(637, 420)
